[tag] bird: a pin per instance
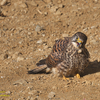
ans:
(69, 57)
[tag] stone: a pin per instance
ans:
(59, 1)
(20, 4)
(58, 12)
(23, 5)
(5, 56)
(53, 9)
(38, 28)
(34, 92)
(39, 41)
(3, 2)
(51, 95)
(29, 33)
(32, 3)
(15, 55)
(21, 81)
(20, 59)
(8, 92)
(48, 1)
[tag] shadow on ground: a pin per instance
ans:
(93, 67)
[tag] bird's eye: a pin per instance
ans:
(76, 37)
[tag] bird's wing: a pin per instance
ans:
(86, 53)
(58, 53)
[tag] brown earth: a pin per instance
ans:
(28, 29)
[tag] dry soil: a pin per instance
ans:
(28, 30)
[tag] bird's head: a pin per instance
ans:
(79, 40)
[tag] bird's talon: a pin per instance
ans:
(78, 76)
(64, 78)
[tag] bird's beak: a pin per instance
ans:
(79, 41)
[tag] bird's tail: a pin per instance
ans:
(38, 69)
(41, 62)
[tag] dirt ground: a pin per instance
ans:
(28, 30)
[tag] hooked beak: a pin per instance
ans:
(79, 41)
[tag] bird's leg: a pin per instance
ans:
(78, 76)
(64, 78)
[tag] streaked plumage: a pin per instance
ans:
(68, 57)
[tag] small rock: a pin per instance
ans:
(8, 92)
(3, 2)
(39, 41)
(48, 1)
(43, 34)
(59, 1)
(38, 28)
(29, 33)
(96, 1)
(32, 3)
(85, 29)
(54, 88)
(34, 92)
(20, 4)
(20, 59)
(51, 95)
(15, 55)
(5, 29)
(58, 12)
(53, 9)
(21, 81)
(23, 5)
(61, 5)
(2, 76)
(92, 27)
(5, 56)
(45, 13)
(34, 98)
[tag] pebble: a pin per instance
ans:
(23, 5)
(96, 1)
(48, 1)
(2, 76)
(15, 55)
(85, 29)
(39, 41)
(3, 2)
(5, 56)
(38, 28)
(29, 33)
(43, 35)
(21, 81)
(20, 4)
(51, 95)
(92, 27)
(34, 92)
(53, 9)
(54, 88)
(8, 92)
(58, 12)
(59, 1)
(32, 3)
(20, 59)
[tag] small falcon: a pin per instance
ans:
(69, 57)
